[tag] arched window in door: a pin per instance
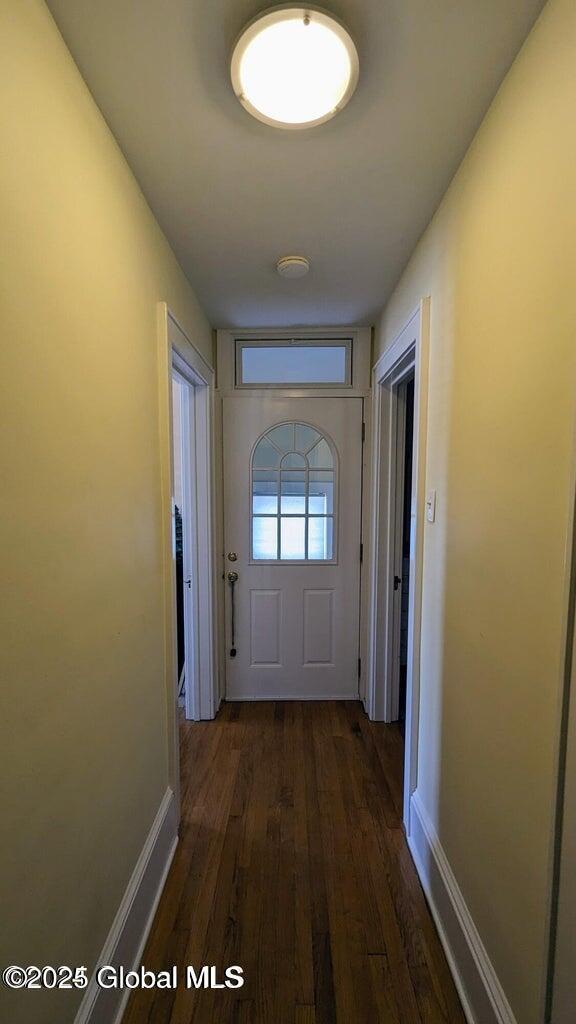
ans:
(294, 476)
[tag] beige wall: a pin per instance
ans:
(499, 262)
(82, 729)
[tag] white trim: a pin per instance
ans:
(558, 986)
(359, 336)
(127, 937)
(241, 344)
(392, 690)
(197, 534)
(295, 392)
(179, 354)
(483, 998)
(562, 914)
(562, 979)
(409, 352)
(361, 352)
(208, 699)
(186, 398)
(185, 350)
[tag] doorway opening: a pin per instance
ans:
(402, 582)
(186, 383)
(185, 540)
(397, 521)
(293, 451)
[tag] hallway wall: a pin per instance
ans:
(82, 730)
(499, 262)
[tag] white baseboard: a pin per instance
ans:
(482, 995)
(130, 928)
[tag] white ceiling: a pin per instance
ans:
(233, 194)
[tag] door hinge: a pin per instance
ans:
(363, 432)
(361, 552)
(359, 667)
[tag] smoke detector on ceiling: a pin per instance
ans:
(293, 266)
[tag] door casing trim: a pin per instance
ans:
(177, 351)
(408, 353)
(358, 336)
(280, 395)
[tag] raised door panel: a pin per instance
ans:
(318, 627)
(265, 627)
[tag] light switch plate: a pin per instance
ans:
(431, 506)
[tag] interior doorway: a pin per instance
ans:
(293, 591)
(186, 400)
(397, 521)
(402, 581)
(561, 989)
(185, 540)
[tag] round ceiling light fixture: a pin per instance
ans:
(294, 67)
(293, 266)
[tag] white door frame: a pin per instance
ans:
(335, 575)
(361, 346)
(398, 382)
(191, 510)
(407, 355)
(560, 987)
(562, 983)
(178, 353)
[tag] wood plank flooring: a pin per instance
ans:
(292, 864)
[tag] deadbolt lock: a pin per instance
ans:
(232, 556)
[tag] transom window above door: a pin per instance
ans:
(293, 495)
(301, 362)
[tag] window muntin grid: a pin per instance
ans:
(293, 495)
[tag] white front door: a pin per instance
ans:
(292, 518)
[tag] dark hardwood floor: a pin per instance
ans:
(292, 864)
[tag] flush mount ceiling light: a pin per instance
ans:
(293, 266)
(294, 67)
